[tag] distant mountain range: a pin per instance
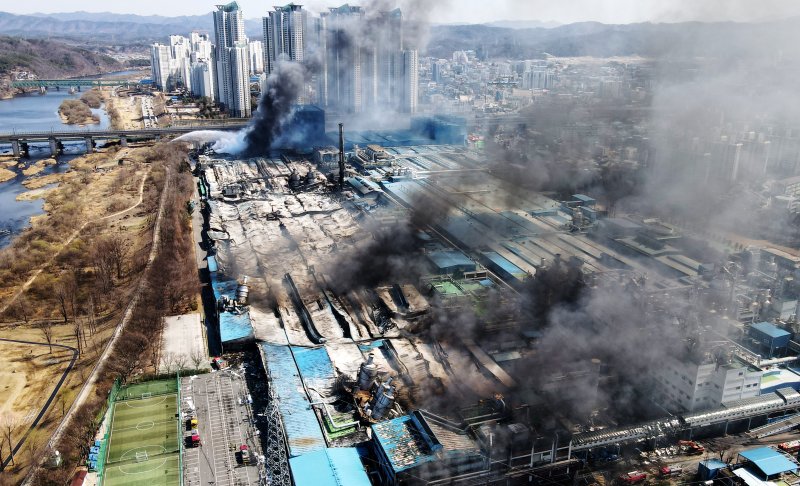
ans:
(509, 39)
(105, 28)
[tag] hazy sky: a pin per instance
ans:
(472, 11)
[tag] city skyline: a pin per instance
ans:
(471, 11)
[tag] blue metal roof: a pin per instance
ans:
(583, 198)
(769, 461)
(303, 433)
(501, 262)
(450, 260)
(713, 464)
(405, 442)
(339, 466)
(770, 330)
(232, 326)
(212, 264)
(316, 369)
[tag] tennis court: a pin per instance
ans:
(144, 443)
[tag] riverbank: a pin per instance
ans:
(6, 175)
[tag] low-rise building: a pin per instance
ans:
(686, 384)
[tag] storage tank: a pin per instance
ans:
(383, 401)
(242, 291)
(367, 373)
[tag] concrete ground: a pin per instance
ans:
(183, 343)
(225, 422)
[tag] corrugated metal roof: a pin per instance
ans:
(232, 326)
(412, 440)
(403, 442)
(583, 198)
(769, 329)
(769, 461)
(329, 467)
(235, 327)
(303, 433)
(503, 263)
(451, 260)
(316, 369)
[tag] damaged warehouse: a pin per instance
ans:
(421, 308)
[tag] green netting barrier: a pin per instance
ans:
(135, 391)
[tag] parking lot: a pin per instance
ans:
(224, 424)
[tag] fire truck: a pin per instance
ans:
(633, 477)
(791, 447)
(670, 471)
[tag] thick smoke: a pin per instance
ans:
(622, 322)
(392, 253)
(275, 107)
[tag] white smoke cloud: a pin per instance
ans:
(232, 143)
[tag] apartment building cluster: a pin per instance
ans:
(357, 62)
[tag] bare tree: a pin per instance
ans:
(103, 266)
(197, 357)
(46, 327)
(66, 291)
(181, 361)
(166, 363)
(77, 329)
(109, 255)
(8, 424)
(91, 314)
(22, 308)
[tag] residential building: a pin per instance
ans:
(163, 67)
(239, 64)
(228, 34)
(284, 35)
(410, 77)
(256, 57)
(203, 82)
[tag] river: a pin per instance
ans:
(27, 113)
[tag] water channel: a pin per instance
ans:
(34, 113)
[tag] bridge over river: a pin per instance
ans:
(20, 140)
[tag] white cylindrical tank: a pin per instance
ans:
(242, 291)
(384, 400)
(367, 373)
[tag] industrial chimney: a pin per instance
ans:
(341, 156)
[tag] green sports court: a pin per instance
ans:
(144, 438)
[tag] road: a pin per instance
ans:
(49, 399)
(88, 386)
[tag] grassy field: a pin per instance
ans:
(144, 445)
(161, 470)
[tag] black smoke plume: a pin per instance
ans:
(275, 107)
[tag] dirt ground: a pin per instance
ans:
(27, 376)
(129, 109)
(29, 373)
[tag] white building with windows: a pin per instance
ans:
(229, 33)
(203, 82)
(256, 57)
(284, 35)
(687, 385)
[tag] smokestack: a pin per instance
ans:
(341, 156)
